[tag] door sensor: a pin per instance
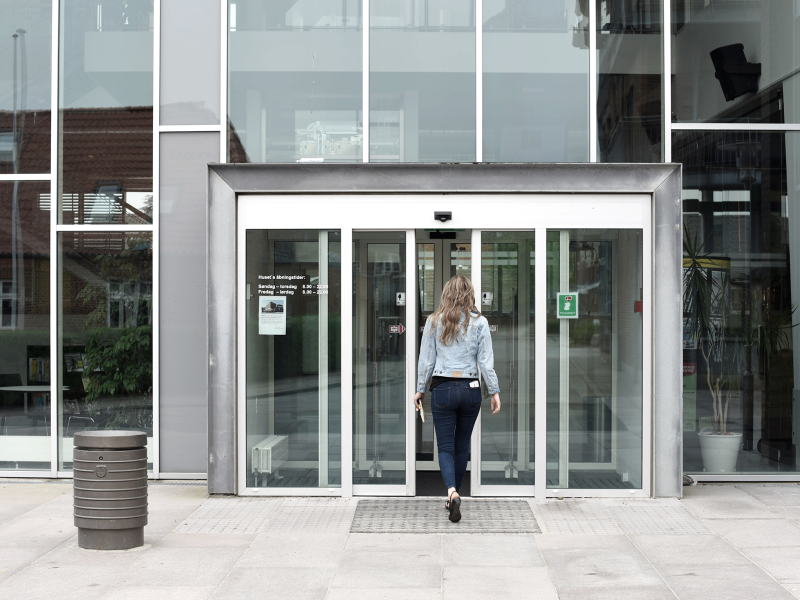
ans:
(442, 216)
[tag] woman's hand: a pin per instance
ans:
(418, 397)
(495, 403)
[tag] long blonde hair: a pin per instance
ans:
(458, 296)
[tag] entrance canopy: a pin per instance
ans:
(321, 276)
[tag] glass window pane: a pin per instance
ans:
(105, 101)
(594, 359)
(535, 81)
(294, 72)
(25, 53)
(379, 365)
(507, 302)
(741, 229)
(190, 62)
(293, 391)
(630, 67)
(25, 325)
(760, 32)
(105, 324)
(183, 419)
(422, 81)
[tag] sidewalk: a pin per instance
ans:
(720, 541)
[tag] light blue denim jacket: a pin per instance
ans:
(461, 358)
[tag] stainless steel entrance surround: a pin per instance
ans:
(660, 182)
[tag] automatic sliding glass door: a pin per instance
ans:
(379, 358)
(329, 327)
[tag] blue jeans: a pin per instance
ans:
(455, 407)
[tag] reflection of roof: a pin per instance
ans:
(35, 128)
(100, 144)
(108, 144)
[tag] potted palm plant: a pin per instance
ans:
(727, 344)
(722, 345)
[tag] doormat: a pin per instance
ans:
(425, 515)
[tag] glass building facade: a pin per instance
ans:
(102, 209)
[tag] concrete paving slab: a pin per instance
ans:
(685, 551)
(384, 594)
(381, 559)
(70, 554)
(275, 583)
(43, 534)
(781, 563)
(45, 582)
(775, 495)
(292, 550)
(211, 540)
(395, 575)
(705, 567)
(513, 583)
(16, 559)
(635, 593)
(736, 583)
(583, 542)
(399, 541)
(491, 550)
(794, 590)
(756, 533)
(791, 513)
(165, 519)
(600, 567)
(152, 592)
(12, 511)
(725, 502)
(180, 567)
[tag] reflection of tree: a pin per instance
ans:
(119, 359)
(133, 265)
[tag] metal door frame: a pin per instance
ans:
(531, 194)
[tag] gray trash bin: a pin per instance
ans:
(110, 489)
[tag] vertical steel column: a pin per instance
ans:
(667, 80)
(55, 206)
(365, 81)
(540, 350)
(479, 82)
(411, 357)
(563, 388)
(475, 444)
(592, 81)
(322, 332)
(347, 362)
(155, 287)
(223, 84)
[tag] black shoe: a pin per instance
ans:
(455, 509)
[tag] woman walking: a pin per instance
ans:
(455, 344)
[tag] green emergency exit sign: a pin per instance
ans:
(568, 306)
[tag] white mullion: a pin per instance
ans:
(105, 228)
(735, 126)
(667, 86)
(223, 83)
(188, 128)
(154, 285)
(478, 81)
(475, 442)
(25, 176)
(365, 81)
(346, 336)
(411, 356)
(54, 263)
(540, 353)
(592, 81)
